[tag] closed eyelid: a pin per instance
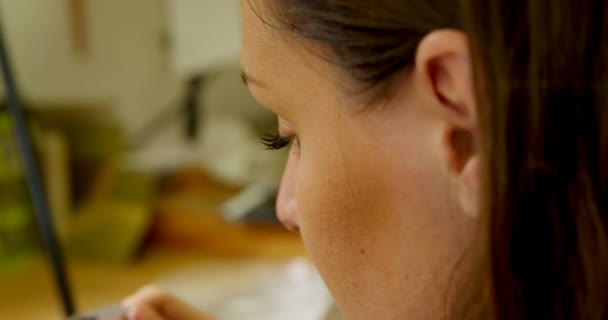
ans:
(248, 80)
(285, 128)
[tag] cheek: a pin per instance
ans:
(370, 216)
(330, 227)
(349, 218)
(358, 197)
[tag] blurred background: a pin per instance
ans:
(148, 146)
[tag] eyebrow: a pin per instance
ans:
(248, 80)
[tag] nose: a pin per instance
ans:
(287, 206)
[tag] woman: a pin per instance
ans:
(449, 159)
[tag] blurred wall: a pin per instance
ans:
(205, 33)
(127, 64)
(139, 53)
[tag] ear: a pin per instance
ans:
(444, 81)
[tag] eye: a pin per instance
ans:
(275, 142)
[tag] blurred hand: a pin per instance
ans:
(152, 303)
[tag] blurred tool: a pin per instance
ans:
(192, 109)
(191, 112)
(41, 208)
(111, 312)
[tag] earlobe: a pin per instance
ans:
(469, 187)
(461, 160)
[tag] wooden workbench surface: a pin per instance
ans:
(187, 231)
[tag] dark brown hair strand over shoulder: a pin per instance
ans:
(544, 113)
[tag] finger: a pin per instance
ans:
(166, 305)
(146, 294)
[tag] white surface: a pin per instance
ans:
(249, 198)
(253, 290)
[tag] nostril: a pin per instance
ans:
(293, 228)
(289, 224)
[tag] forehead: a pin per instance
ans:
(268, 49)
(294, 75)
(264, 50)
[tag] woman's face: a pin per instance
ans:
(365, 185)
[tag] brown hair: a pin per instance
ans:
(541, 69)
(545, 121)
(372, 43)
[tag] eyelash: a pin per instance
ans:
(275, 142)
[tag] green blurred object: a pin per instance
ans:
(16, 216)
(10, 167)
(102, 213)
(111, 228)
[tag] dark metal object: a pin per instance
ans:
(189, 110)
(192, 108)
(39, 200)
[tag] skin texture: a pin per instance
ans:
(384, 195)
